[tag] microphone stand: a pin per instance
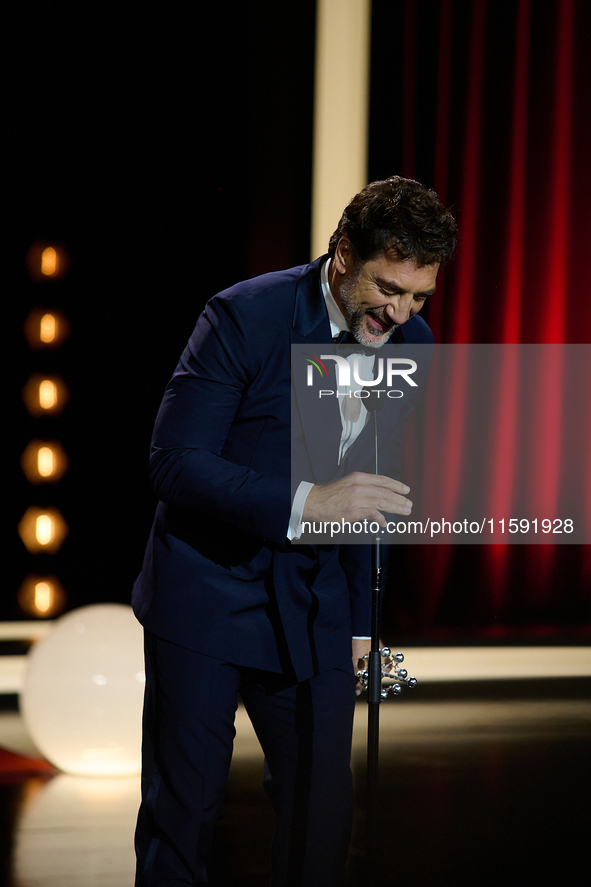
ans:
(376, 670)
(373, 403)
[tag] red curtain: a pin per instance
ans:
(494, 113)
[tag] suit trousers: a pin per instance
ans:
(305, 732)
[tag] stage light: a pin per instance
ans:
(41, 596)
(45, 394)
(44, 461)
(83, 694)
(47, 261)
(42, 530)
(46, 328)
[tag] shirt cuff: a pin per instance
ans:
(294, 530)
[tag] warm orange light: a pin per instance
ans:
(47, 261)
(41, 596)
(45, 462)
(45, 527)
(42, 530)
(45, 394)
(46, 328)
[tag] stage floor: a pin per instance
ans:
(481, 783)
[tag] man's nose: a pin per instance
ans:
(399, 309)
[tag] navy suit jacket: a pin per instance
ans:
(219, 575)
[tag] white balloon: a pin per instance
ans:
(83, 694)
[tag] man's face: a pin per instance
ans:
(380, 295)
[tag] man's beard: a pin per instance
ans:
(354, 315)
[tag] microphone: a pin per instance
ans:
(373, 401)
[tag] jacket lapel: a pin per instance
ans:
(316, 422)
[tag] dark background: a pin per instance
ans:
(169, 150)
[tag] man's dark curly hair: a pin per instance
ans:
(400, 215)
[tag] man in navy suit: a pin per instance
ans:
(230, 604)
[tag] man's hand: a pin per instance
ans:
(357, 496)
(361, 646)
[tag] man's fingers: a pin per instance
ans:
(379, 481)
(379, 496)
(358, 496)
(379, 492)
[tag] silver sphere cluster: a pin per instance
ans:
(393, 676)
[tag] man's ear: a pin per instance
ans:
(343, 257)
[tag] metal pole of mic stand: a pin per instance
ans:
(375, 692)
(373, 710)
(374, 696)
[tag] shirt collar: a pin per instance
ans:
(338, 324)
